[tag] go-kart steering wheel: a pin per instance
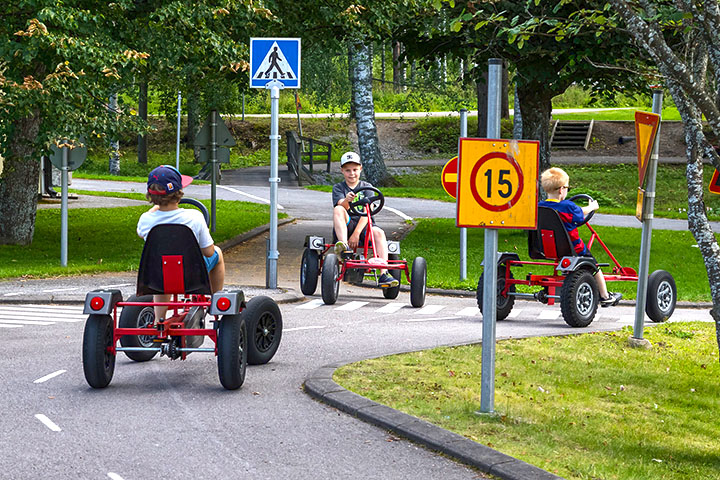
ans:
(376, 202)
(589, 199)
(195, 203)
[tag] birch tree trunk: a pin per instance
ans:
(142, 150)
(364, 107)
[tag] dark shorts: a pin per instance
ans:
(351, 225)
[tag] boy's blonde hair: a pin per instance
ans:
(163, 200)
(553, 179)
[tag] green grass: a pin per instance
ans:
(438, 240)
(104, 239)
(581, 406)
(668, 114)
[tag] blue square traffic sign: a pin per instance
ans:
(275, 59)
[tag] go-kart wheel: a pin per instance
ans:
(137, 317)
(661, 296)
(232, 351)
(504, 303)
(330, 283)
(309, 271)
(418, 282)
(587, 197)
(579, 298)
(98, 362)
(376, 202)
(264, 326)
(391, 293)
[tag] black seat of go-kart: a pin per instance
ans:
(550, 241)
(172, 262)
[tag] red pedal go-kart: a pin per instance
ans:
(331, 269)
(172, 263)
(572, 281)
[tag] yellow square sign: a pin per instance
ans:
(498, 183)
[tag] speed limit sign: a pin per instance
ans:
(497, 183)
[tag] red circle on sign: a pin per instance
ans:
(450, 167)
(473, 182)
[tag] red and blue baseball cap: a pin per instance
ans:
(168, 177)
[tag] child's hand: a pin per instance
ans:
(350, 197)
(593, 205)
(353, 241)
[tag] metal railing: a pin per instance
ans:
(297, 155)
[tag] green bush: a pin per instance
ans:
(440, 134)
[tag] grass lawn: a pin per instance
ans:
(438, 241)
(104, 239)
(581, 406)
(594, 180)
(668, 114)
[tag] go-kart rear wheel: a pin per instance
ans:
(98, 362)
(504, 303)
(309, 271)
(264, 325)
(579, 298)
(330, 283)
(138, 317)
(232, 351)
(661, 296)
(418, 282)
(392, 292)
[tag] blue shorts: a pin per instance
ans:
(210, 262)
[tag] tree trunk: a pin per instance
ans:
(114, 160)
(193, 121)
(517, 117)
(505, 97)
(536, 110)
(143, 114)
(482, 104)
(362, 101)
(19, 184)
(398, 73)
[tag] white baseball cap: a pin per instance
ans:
(350, 157)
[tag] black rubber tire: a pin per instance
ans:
(579, 298)
(98, 363)
(264, 325)
(232, 351)
(137, 317)
(330, 285)
(309, 271)
(661, 296)
(392, 292)
(418, 282)
(504, 304)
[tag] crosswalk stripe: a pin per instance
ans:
(352, 306)
(309, 327)
(74, 308)
(391, 308)
(3, 325)
(548, 315)
(468, 312)
(430, 309)
(24, 322)
(59, 313)
(41, 318)
(311, 304)
(515, 312)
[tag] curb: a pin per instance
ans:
(244, 237)
(321, 386)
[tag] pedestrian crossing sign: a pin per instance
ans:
(275, 59)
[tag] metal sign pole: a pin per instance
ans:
(463, 230)
(272, 254)
(647, 218)
(64, 209)
(177, 144)
(487, 391)
(213, 163)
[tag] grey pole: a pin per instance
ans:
(487, 391)
(272, 254)
(243, 108)
(463, 230)
(647, 218)
(213, 162)
(177, 145)
(64, 209)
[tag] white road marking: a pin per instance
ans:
(52, 290)
(3, 325)
(47, 422)
(469, 312)
(548, 315)
(115, 476)
(352, 306)
(430, 309)
(311, 304)
(626, 319)
(49, 376)
(24, 322)
(391, 308)
(115, 286)
(430, 319)
(41, 318)
(74, 308)
(249, 195)
(398, 213)
(309, 327)
(515, 312)
(12, 294)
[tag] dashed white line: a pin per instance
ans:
(249, 195)
(47, 422)
(391, 308)
(309, 327)
(24, 322)
(113, 475)
(398, 213)
(12, 294)
(350, 306)
(430, 309)
(548, 315)
(52, 290)
(116, 286)
(515, 313)
(311, 304)
(49, 376)
(469, 312)
(429, 319)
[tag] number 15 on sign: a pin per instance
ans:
(497, 183)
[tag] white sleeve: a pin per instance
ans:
(202, 232)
